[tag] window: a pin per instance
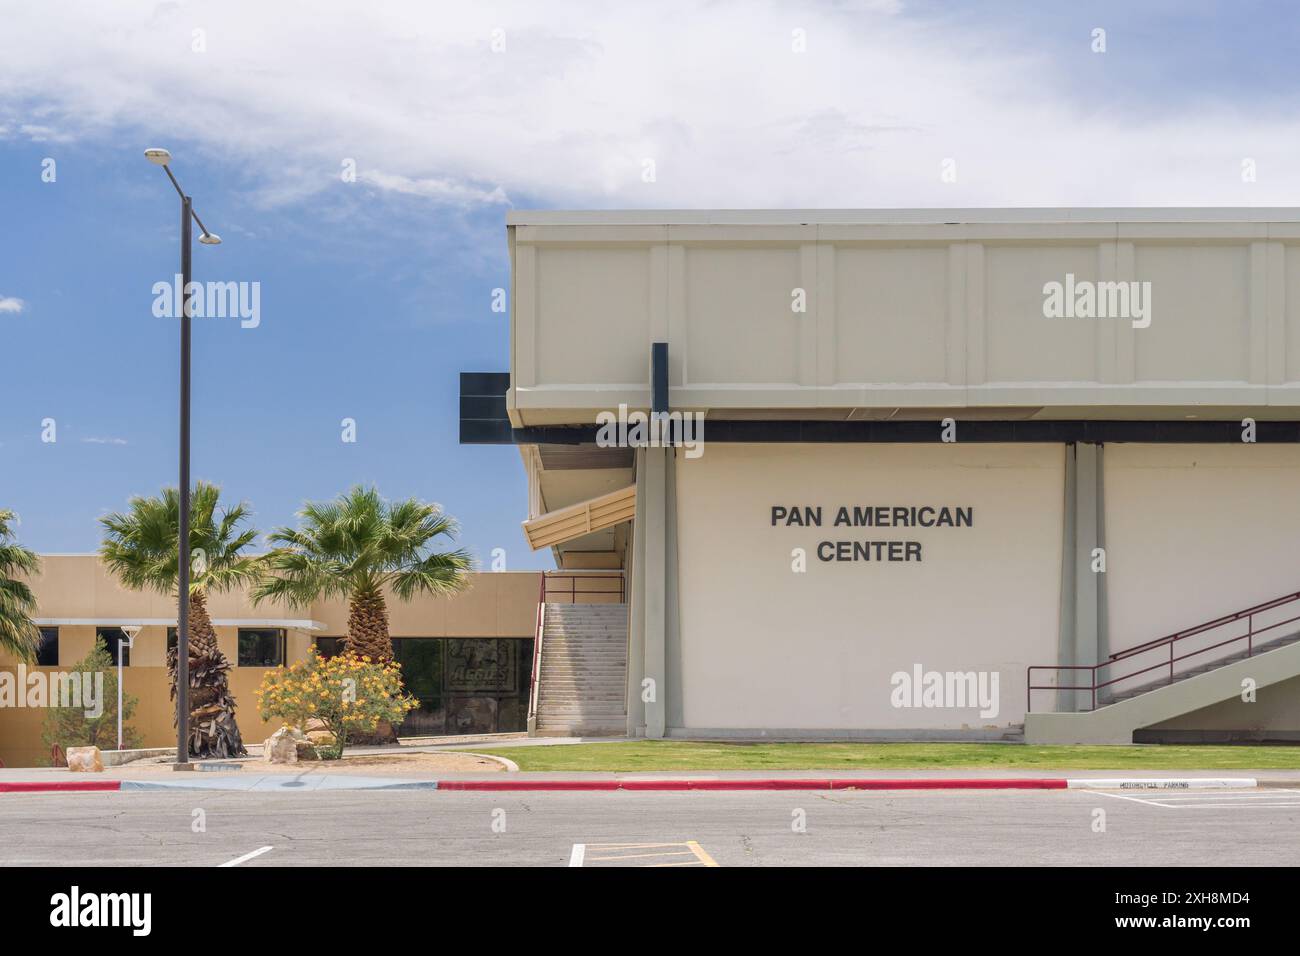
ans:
(328, 647)
(47, 652)
(112, 637)
(261, 647)
(463, 685)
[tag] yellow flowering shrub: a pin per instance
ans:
(344, 692)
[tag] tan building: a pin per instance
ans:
(961, 473)
(467, 658)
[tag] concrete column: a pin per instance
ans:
(636, 607)
(1084, 637)
(1065, 633)
(654, 531)
(674, 706)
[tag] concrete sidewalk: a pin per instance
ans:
(1274, 777)
(251, 778)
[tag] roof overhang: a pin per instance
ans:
(915, 216)
(575, 521)
(292, 624)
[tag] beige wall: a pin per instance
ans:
(77, 586)
(904, 309)
(764, 647)
(1275, 711)
(1195, 532)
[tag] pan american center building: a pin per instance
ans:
(908, 474)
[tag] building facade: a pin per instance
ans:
(924, 474)
(467, 658)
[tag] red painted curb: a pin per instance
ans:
(835, 783)
(67, 786)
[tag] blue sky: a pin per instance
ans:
(367, 316)
(376, 293)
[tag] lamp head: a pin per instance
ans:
(157, 156)
(210, 239)
(131, 631)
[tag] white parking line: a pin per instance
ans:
(246, 857)
(1215, 801)
(579, 852)
(1272, 794)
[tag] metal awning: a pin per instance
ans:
(595, 514)
(286, 623)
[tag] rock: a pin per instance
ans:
(318, 733)
(307, 750)
(282, 746)
(84, 760)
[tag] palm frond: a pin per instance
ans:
(19, 634)
(359, 543)
(140, 545)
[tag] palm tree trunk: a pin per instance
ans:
(368, 637)
(213, 731)
(368, 626)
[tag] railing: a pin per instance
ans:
(537, 651)
(573, 590)
(1094, 685)
(544, 591)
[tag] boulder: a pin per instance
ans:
(318, 733)
(282, 746)
(307, 750)
(289, 745)
(84, 760)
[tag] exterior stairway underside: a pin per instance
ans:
(1141, 706)
(582, 678)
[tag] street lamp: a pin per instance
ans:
(130, 630)
(163, 158)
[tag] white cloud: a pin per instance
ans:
(10, 304)
(439, 189)
(583, 93)
(104, 441)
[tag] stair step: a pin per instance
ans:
(582, 688)
(1180, 676)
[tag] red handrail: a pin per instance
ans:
(537, 649)
(575, 576)
(1246, 614)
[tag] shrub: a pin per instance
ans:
(70, 727)
(346, 693)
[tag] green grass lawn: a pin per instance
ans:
(691, 755)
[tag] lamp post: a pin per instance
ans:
(130, 630)
(163, 158)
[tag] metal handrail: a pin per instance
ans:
(537, 648)
(1246, 614)
(574, 576)
(573, 592)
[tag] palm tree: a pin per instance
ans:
(18, 634)
(356, 547)
(140, 549)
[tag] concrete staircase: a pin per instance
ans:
(1219, 680)
(582, 681)
(1261, 647)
